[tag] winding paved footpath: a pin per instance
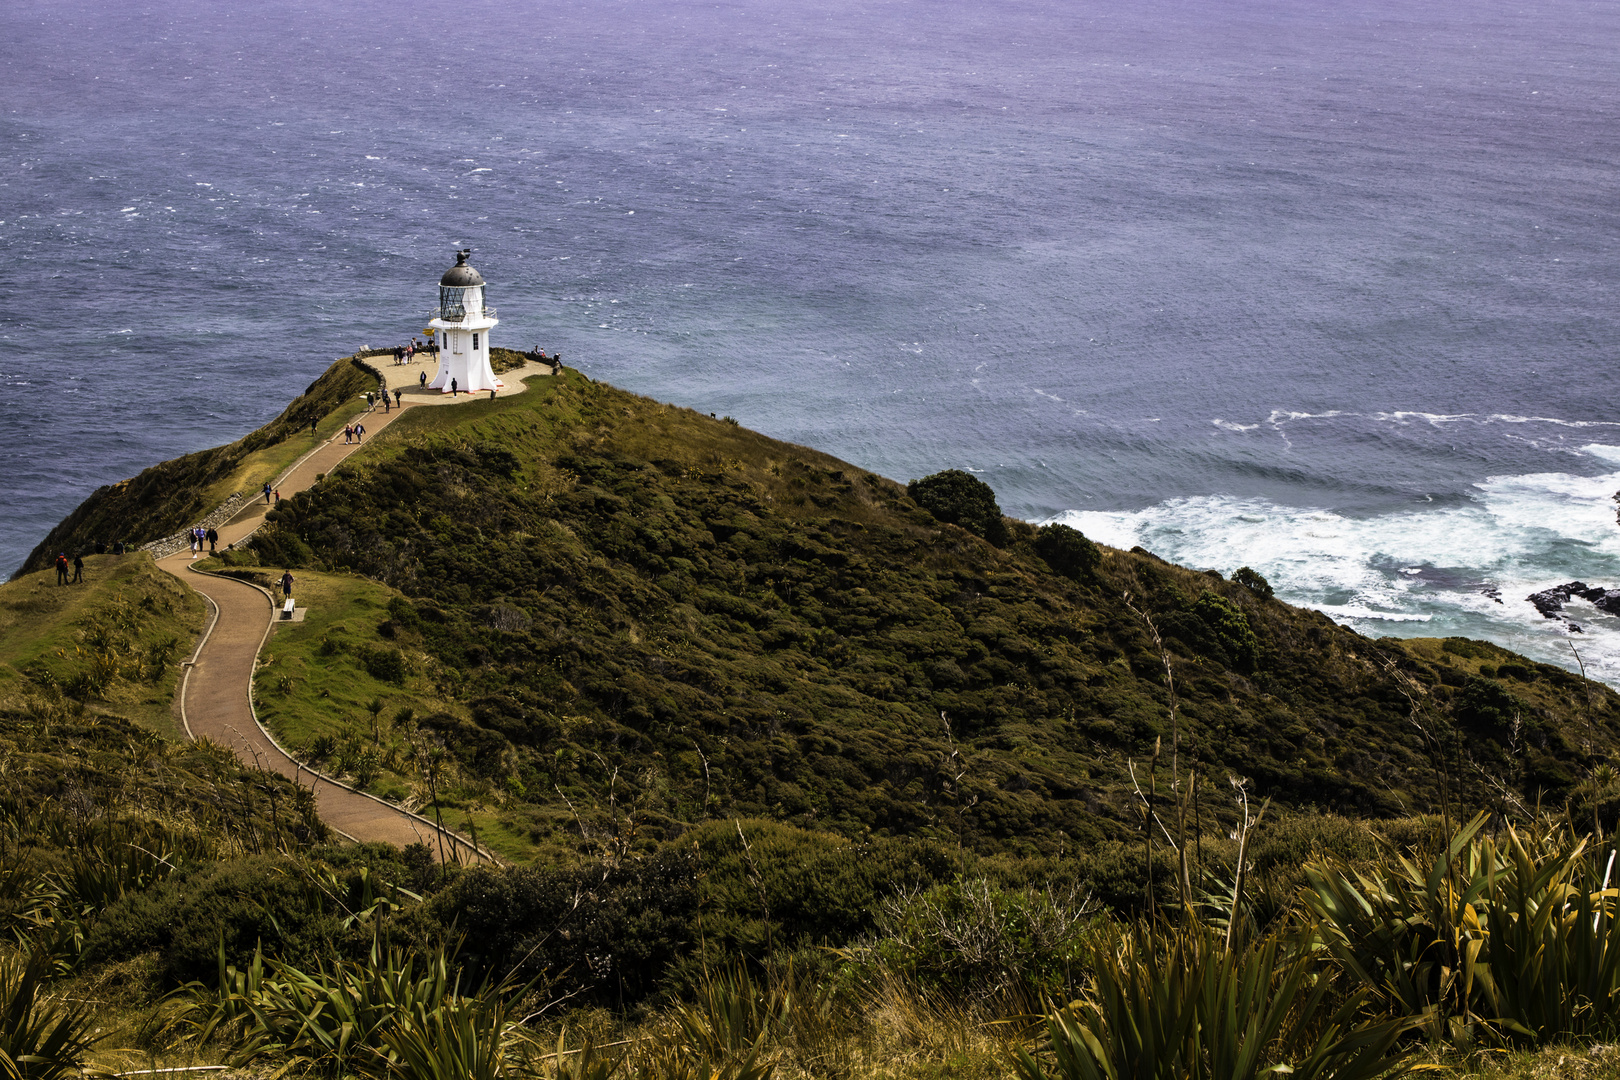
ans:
(214, 693)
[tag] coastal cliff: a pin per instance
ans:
(725, 703)
(591, 590)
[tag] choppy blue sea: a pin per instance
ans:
(1327, 289)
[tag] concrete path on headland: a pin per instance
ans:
(216, 690)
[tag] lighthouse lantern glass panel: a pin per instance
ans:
(451, 305)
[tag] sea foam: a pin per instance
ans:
(1431, 569)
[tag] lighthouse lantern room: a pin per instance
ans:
(462, 323)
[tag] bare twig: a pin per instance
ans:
(703, 758)
(759, 886)
(1248, 826)
(1130, 767)
(1183, 798)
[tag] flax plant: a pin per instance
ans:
(1555, 940)
(1412, 932)
(40, 1039)
(727, 1030)
(385, 1016)
(1176, 1003)
(1502, 941)
(463, 1038)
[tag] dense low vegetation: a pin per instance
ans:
(112, 644)
(799, 772)
(1466, 949)
(649, 618)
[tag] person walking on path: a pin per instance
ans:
(385, 403)
(267, 491)
(286, 583)
(359, 432)
(348, 434)
(453, 388)
(213, 539)
(371, 400)
(421, 380)
(78, 567)
(61, 568)
(397, 395)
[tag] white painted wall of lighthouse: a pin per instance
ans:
(458, 358)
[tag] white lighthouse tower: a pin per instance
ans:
(462, 324)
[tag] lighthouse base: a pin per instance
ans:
(469, 372)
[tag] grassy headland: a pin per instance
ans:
(801, 778)
(629, 599)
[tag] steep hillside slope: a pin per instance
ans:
(651, 617)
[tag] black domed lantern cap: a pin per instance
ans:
(461, 276)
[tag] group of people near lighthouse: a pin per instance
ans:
(405, 354)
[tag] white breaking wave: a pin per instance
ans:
(1279, 418)
(1429, 570)
(1433, 419)
(1354, 612)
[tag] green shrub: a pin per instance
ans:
(1067, 551)
(1473, 650)
(958, 498)
(255, 900)
(976, 940)
(636, 928)
(1483, 706)
(384, 664)
(1253, 581)
(609, 937)
(1216, 627)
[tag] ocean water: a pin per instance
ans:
(1325, 289)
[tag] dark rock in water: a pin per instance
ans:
(1550, 602)
(1493, 592)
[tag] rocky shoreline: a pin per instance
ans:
(1550, 602)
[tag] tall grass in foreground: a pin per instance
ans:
(40, 1039)
(1473, 941)
(386, 1016)
(1178, 1003)
(1489, 940)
